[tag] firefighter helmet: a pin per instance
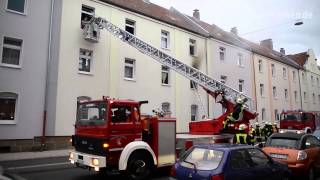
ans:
(239, 100)
(242, 127)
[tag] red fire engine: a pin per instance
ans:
(307, 121)
(112, 134)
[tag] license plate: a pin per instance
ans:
(279, 156)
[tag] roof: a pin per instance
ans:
(223, 146)
(194, 25)
(300, 58)
(289, 135)
(172, 16)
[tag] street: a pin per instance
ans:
(60, 168)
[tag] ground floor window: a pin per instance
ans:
(8, 102)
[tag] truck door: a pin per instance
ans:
(122, 126)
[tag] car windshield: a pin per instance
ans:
(283, 142)
(317, 133)
(291, 117)
(91, 113)
(203, 159)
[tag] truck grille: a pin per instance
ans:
(89, 145)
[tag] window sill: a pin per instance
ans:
(167, 85)
(194, 55)
(16, 12)
(129, 79)
(8, 122)
(10, 66)
(85, 73)
(168, 49)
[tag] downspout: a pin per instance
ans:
(207, 72)
(300, 90)
(43, 137)
(254, 85)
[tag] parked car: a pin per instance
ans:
(316, 133)
(300, 151)
(228, 162)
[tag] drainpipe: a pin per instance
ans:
(207, 72)
(300, 90)
(43, 137)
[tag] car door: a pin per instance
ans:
(262, 165)
(312, 147)
(239, 167)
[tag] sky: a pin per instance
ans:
(257, 20)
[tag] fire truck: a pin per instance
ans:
(113, 134)
(304, 121)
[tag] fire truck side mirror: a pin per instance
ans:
(143, 102)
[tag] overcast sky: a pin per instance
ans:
(261, 19)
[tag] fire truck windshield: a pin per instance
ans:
(91, 113)
(291, 117)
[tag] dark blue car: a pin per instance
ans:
(228, 162)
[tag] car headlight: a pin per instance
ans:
(71, 156)
(95, 162)
(302, 155)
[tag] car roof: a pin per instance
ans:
(290, 135)
(223, 146)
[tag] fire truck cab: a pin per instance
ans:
(300, 121)
(112, 134)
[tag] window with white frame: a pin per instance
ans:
(284, 71)
(165, 73)
(8, 106)
(194, 112)
(263, 114)
(296, 96)
(286, 94)
(87, 13)
(11, 52)
(223, 79)
(260, 65)
(130, 26)
(129, 68)
(165, 107)
(312, 80)
(294, 75)
(192, 47)
(305, 96)
(273, 70)
(240, 60)
(222, 52)
(313, 98)
(318, 82)
(193, 85)
(261, 89)
(85, 60)
(18, 6)
(165, 39)
(276, 115)
(303, 78)
(241, 84)
(274, 92)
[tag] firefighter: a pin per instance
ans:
(267, 130)
(242, 137)
(235, 115)
(275, 128)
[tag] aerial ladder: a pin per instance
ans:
(222, 93)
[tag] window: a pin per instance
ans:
(193, 85)
(121, 114)
(261, 89)
(87, 13)
(260, 65)
(273, 70)
(83, 112)
(203, 159)
(276, 115)
(294, 75)
(296, 96)
(11, 52)
(240, 60)
(223, 79)
(165, 107)
(305, 96)
(312, 82)
(263, 114)
(130, 26)
(274, 92)
(319, 98)
(129, 68)
(318, 82)
(16, 6)
(222, 52)
(165, 39)
(303, 78)
(165, 75)
(284, 71)
(258, 157)
(286, 94)
(241, 83)
(194, 112)
(192, 47)
(313, 98)
(240, 159)
(85, 60)
(8, 107)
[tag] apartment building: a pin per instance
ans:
(309, 77)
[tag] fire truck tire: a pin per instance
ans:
(139, 166)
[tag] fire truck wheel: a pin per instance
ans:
(139, 166)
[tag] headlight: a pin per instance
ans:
(302, 155)
(105, 145)
(95, 162)
(71, 156)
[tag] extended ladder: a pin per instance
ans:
(91, 33)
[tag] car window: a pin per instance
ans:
(258, 157)
(240, 159)
(311, 142)
(203, 159)
(283, 142)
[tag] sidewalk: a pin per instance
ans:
(33, 155)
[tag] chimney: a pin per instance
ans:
(282, 51)
(196, 14)
(267, 43)
(234, 30)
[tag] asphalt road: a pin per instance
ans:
(61, 169)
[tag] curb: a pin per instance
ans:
(33, 155)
